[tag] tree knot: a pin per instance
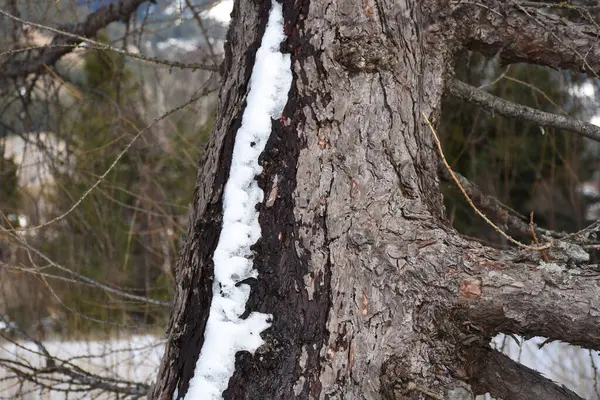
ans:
(364, 55)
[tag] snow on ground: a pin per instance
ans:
(136, 358)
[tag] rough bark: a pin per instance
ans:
(505, 379)
(194, 268)
(507, 294)
(372, 294)
(520, 32)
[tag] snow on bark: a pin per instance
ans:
(226, 333)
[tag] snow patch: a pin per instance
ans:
(181, 44)
(226, 333)
(584, 90)
(221, 12)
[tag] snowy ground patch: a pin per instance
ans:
(133, 358)
(226, 333)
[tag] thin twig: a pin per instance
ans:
(498, 79)
(105, 46)
(532, 228)
(491, 204)
(535, 238)
(473, 206)
(83, 278)
(196, 97)
(204, 31)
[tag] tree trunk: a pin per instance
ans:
(372, 294)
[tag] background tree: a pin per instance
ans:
(97, 150)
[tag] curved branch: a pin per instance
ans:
(94, 44)
(518, 34)
(506, 108)
(504, 378)
(83, 278)
(516, 293)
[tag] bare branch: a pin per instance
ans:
(61, 375)
(81, 277)
(470, 201)
(13, 328)
(536, 36)
(518, 293)
(204, 31)
(208, 88)
(89, 28)
(506, 108)
(65, 42)
(504, 378)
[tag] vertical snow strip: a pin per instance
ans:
(226, 333)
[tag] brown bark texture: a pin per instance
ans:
(373, 294)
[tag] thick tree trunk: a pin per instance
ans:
(371, 292)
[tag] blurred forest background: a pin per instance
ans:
(94, 190)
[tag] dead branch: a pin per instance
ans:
(470, 201)
(10, 327)
(504, 378)
(81, 277)
(68, 36)
(506, 108)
